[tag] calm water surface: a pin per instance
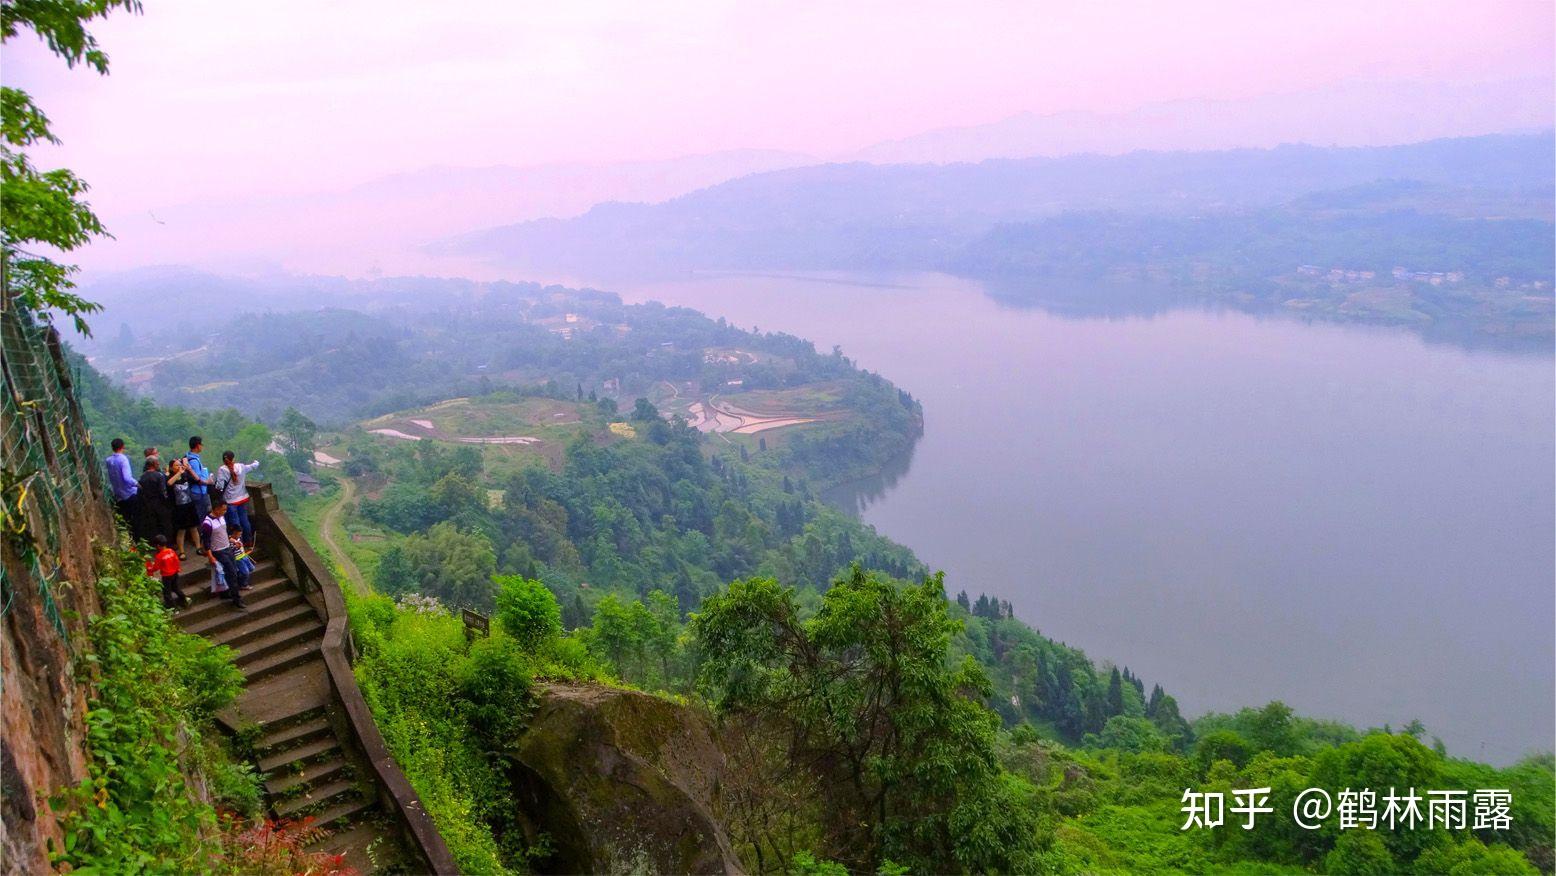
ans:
(1243, 509)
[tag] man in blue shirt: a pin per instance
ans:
(121, 481)
(200, 490)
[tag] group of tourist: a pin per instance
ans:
(187, 500)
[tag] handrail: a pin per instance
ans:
(308, 573)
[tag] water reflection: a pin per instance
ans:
(1113, 299)
(856, 497)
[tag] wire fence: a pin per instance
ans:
(47, 465)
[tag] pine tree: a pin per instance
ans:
(964, 602)
(1115, 693)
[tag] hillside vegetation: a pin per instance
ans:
(336, 367)
(866, 719)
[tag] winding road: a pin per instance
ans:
(329, 526)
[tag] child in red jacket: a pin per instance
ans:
(164, 564)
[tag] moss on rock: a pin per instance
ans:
(622, 782)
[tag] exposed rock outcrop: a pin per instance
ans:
(622, 782)
(54, 514)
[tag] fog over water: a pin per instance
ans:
(1349, 519)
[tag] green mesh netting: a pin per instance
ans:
(46, 458)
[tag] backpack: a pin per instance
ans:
(195, 484)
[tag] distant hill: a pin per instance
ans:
(376, 224)
(1344, 114)
(858, 215)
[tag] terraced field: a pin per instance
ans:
(511, 432)
(754, 412)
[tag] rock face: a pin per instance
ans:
(48, 569)
(622, 782)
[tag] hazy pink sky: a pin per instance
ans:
(210, 100)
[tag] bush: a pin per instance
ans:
(445, 708)
(527, 611)
(1359, 853)
(493, 683)
(1472, 857)
(207, 673)
(154, 688)
(277, 848)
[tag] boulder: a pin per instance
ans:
(621, 782)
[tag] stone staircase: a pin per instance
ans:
(308, 764)
(301, 714)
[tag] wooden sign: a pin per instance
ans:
(475, 623)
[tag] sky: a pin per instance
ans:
(212, 100)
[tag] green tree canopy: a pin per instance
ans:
(527, 610)
(877, 711)
(454, 566)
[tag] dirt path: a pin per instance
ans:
(328, 527)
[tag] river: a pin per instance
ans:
(1348, 519)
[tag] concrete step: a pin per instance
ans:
(352, 841)
(199, 595)
(220, 615)
(194, 580)
(201, 603)
(274, 765)
(263, 625)
(306, 776)
(341, 814)
(294, 654)
(204, 611)
(297, 734)
(280, 636)
(317, 799)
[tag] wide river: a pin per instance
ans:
(1243, 509)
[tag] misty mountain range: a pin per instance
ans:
(1347, 114)
(376, 227)
(864, 216)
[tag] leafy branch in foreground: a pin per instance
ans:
(45, 208)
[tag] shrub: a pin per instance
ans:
(277, 848)
(493, 683)
(528, 611)
(442, 706)
(153, 689)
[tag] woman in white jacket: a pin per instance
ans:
(230, 485)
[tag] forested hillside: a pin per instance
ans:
(433, 340)
(1337, 257)
(934, 731)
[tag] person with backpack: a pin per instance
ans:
(230, 486)
(200, 482)
(242, 556)
(218, 550)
